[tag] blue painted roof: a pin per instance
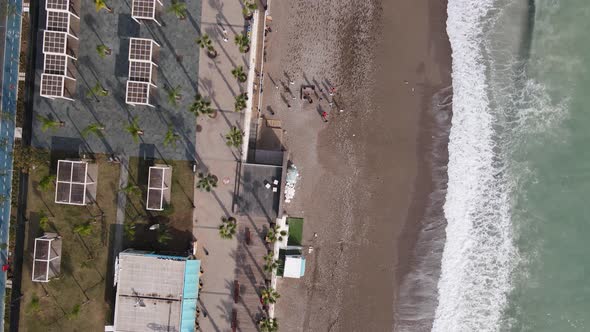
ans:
(190, 294)
(302, 266)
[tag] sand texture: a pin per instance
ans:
(364, 176)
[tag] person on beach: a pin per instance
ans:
(325, 116)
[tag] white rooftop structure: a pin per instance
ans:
(146, 10)
(72, 6)
(294, 266)
(46, 257)
(75, 183)
(158, 192)
(142, 71)
(155, 292)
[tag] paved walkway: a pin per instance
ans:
(213, 156)
(121, 206)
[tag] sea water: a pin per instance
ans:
(516, 255)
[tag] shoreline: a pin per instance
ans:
(364, 185)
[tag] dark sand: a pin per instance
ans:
(365, 175)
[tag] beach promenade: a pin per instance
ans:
(216, 83)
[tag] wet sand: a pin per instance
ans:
(365, 176)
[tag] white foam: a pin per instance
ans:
(479, 253)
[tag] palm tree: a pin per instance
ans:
(164, 235)
(269, 296)
(134, 129)
(275, 234)
(249, 8)
(207, 183)
(46, 182)
(97, 90)
(239, 74)
(234, 137)
(129, 228)
(101, 4)
(205, 43)
(93, 128)
(178, 9)
(47, 123)
(240, 103)
(84, 229)
(103, 50)
(174, 95)
(171, 137)
(227, 229)
(268, 325)
(270, 266)
(243, 42)
(131, 190)
(201, 106)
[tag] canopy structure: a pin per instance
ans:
(60, 48)
(46, 257)
(142, 71)
(75, 184)
(158, 193)
(146, 10)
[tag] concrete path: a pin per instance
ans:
(121, 204)
(216, 83)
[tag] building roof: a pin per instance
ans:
(155, 292)
(57, 5)
(294, 267)
(54, 42)
(257, 196)
(158, 191)
(46, 257)
(72, 182)
(55, 64)
(58, 21)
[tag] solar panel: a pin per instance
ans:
(52, 85)
(57, 21)
(140, 49)
(54, 42)
(57, 4)
(71, 182)
(137, 92)
(55, 64)
(143, 9)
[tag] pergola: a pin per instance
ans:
(158, 191)
(142, 71)
(146, 10)
(74, 183)
(46, 257)
(60, 48)
(57, 86)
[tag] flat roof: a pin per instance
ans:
(72, 182)
(150, 292)
(256, 194)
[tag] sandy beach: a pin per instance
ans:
(365, 174)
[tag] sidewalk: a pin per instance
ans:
(216, 83)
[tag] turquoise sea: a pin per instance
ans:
(516, 243)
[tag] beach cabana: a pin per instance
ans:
(46, 257)
(146, 10)
(141, 84)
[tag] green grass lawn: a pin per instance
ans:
(295, 231)
(176, 221)
(76, 299)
